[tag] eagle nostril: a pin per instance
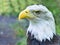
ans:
(26, 11)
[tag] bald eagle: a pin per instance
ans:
(41, 30)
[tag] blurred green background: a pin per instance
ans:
(10, 9)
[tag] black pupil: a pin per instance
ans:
(37, 12)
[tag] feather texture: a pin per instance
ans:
(32, 41)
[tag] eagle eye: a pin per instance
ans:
(37, 12)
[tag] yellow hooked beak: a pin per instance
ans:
(25, 14)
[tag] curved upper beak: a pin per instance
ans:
(23, 14)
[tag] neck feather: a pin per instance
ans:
(42, 30)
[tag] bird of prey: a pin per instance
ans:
(41, 30)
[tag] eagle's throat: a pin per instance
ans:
(42, 30)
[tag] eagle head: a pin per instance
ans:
(42, 24)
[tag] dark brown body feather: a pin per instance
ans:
(32, 41)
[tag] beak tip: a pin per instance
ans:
(19, 18)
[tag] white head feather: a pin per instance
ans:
(42, 27)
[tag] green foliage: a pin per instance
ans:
(22, 42)
(18, 29)
(58, 29)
